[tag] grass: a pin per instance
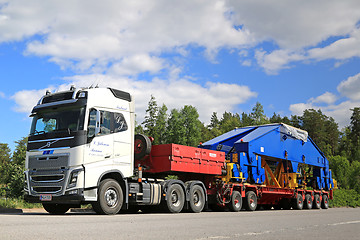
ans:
(345, 198)
(18, 203)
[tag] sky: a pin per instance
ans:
(218, 56)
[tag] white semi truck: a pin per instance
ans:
(81, 150)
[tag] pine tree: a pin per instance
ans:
(150, 118)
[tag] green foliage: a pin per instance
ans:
(340, 167)
(175, 132)
(322, 129)
(12, 170)
(168, 177)
(17, 203)
(258, 115)
(345, 198)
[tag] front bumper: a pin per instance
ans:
(63, 199)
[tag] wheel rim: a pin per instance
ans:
(196, 199)
(111, 197)
(175, 198)
(138, 146)
(237, 202)
(252, 202)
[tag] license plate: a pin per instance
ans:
(45, 197)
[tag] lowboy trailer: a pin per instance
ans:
(82, 149)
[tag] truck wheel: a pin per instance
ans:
(110, 198)
(298, 202)
(197, 199)
(55, 208)
(250, 201)
(325, 202)
(175, 198)
(236, 202)
(316, 203)
(308, 202)
(142, 146)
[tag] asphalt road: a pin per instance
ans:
(340, 223)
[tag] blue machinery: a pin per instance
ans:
(275, 154)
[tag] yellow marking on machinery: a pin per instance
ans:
(291, 180)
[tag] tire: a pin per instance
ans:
(110, 198)
(325, 202)
(298, 202)
(55, 208)
(142, 146)
(316, 203)
(236, 202)
(197, 199)
(308, 203)
(250, 201)
(175, 198)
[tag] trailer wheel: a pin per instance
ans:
(110, 198)
(142, 146)
(298, 202)
(250, 201)
(55, 208)
(308, 201)
(197, 199)
(175, 198)
(325, 202)
(317, 203)
(236, 202)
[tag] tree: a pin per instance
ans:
(150, 118)
(246, 120)
(276, 118)
(5, 158)
(340, 167)
(322, 129)
(160, 125)
(192, 125)
(354, 134)
(258, 115)
(175, 132)
(229, 122)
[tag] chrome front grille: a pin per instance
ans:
(48, 181)
(45, 189)
(47, 178)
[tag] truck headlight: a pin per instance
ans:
(73, 178)
(25, 182)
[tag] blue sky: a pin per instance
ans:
(215, 55)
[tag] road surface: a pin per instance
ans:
(340, 223)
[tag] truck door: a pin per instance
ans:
(101, 141)
(122, 139)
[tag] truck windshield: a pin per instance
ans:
(60, 119)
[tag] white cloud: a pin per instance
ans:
(350, 87)
(276, 60)
(175, 93)
(137, 64)
(327, 98)
(326, 102)
(2, 95)
(297, 24)
(27, 99)
(92, 32)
